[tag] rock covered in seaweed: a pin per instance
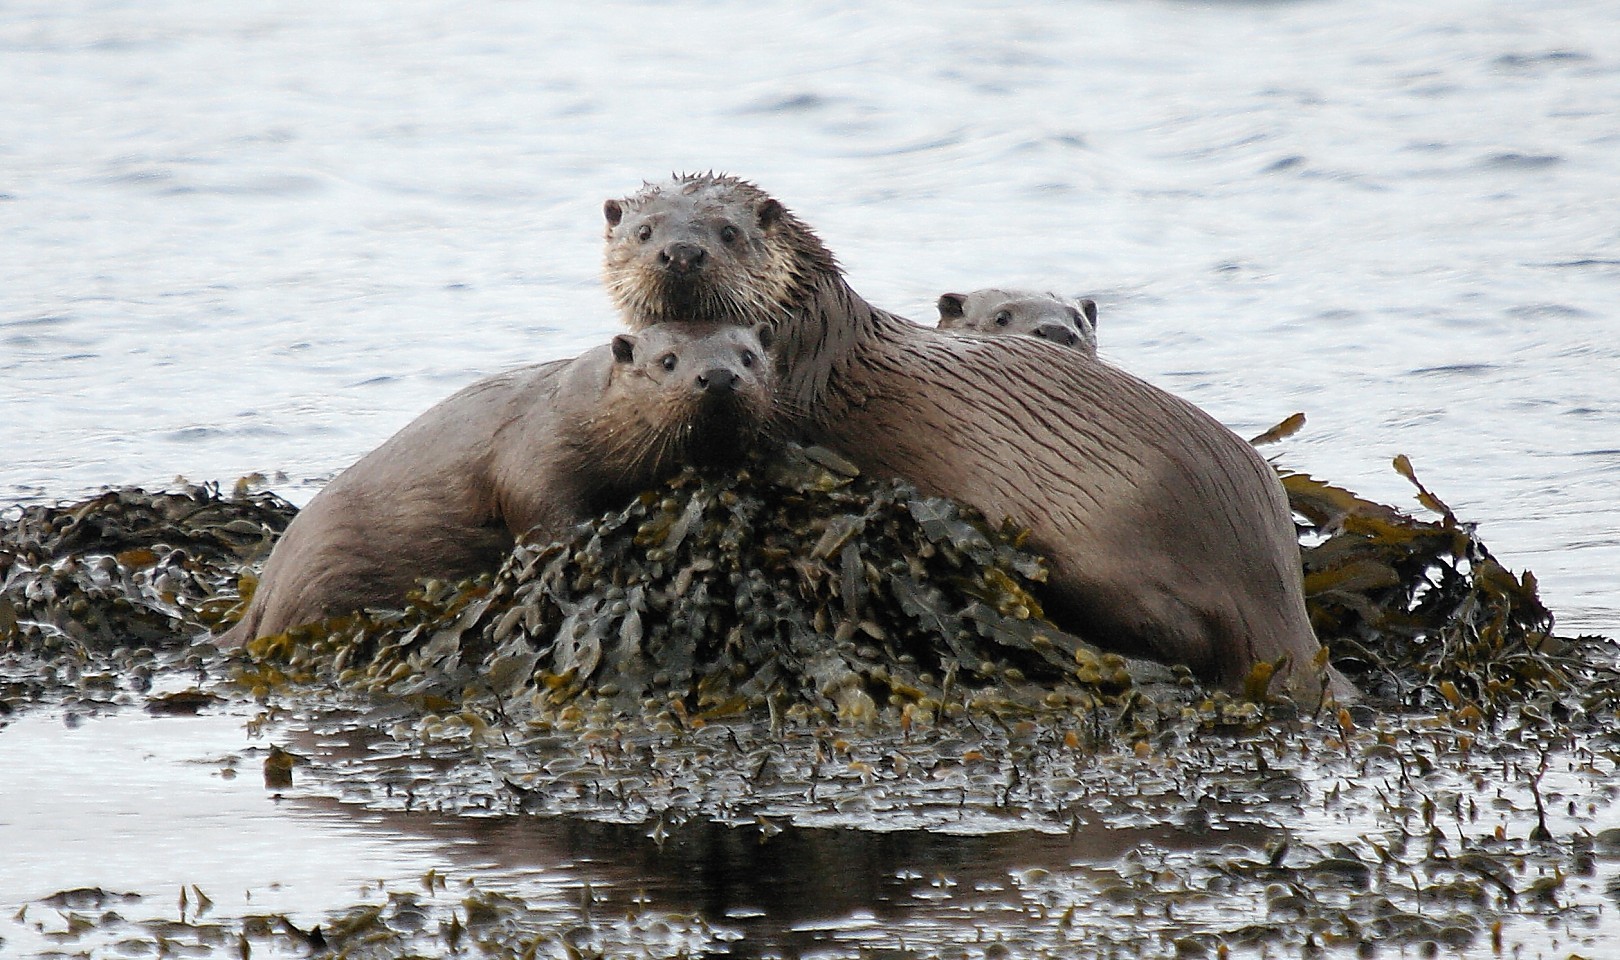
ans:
(790, 585)
(794, 586)
(801, 586)
(127, 567)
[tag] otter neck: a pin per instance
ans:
(825, 333)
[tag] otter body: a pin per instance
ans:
(530, 452)
(1168, 535)
(994, 312)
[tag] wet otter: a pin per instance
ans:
(993, 312)
(1168, 535)
(528, 453)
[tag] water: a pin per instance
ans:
(240, 238)
(162, 804)
(243, 240)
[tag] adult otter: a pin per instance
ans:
(1168, 535)
(994, 312)
(529, 452)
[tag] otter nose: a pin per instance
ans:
(717, 380)
(683, 257)
(1058, 334)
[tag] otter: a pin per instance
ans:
(995, 312)
(1168, 536)
(523, 454)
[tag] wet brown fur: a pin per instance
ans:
(530, 452)
(1168, 535)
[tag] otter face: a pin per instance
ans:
(992, 312)
(711, 389)
(695, 250)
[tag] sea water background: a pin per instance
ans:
(246, 237)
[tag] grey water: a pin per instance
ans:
(248, 238)
(242, 238)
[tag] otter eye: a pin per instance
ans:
(667, 361)
(644, 234)
(1003, 318)
(728, 233)
(748, 358)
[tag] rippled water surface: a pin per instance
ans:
(239, 238)
(244, 239)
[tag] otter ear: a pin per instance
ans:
(950, 307)
(1088, 307)
(766, 334)
(613, 211)
(624, 346)
(769, 212)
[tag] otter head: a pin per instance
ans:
(701, 394)
(991, 312)
(707, 249)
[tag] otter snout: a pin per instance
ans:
(718, 380)
(1057, 333)
(682, 257)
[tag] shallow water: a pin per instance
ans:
(947, 856)
(238, 239)
(133, 803)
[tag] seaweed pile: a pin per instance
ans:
(1418, 612)
(793, 587)
(98, 596)
(799, 586)
(129, 568)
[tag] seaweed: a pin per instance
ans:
(1419, 612)
(129, 568)
(794, 586)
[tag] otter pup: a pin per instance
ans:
(526, 453)
(994, 312)
(1168, 535)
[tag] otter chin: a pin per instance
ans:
(524, 454)
(1168, 536)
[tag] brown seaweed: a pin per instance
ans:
(1419, 611)
(793, 586)
(128, 568)
(789, 585)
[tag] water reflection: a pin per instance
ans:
(141, 804)
(779, 886)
